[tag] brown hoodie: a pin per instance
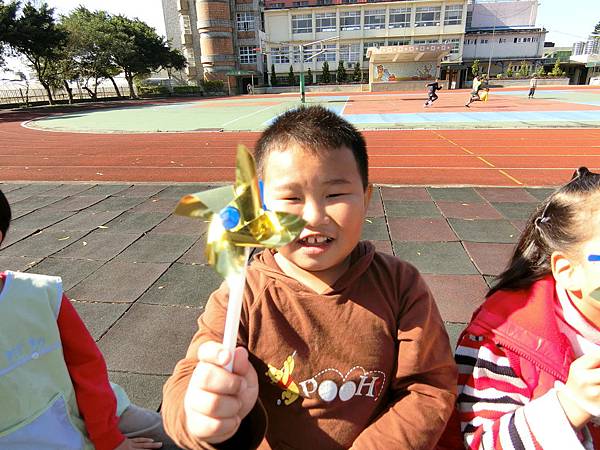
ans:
(365, 365)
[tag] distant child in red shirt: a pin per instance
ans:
(529, 361)
(54, 388)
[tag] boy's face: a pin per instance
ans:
(327, 192)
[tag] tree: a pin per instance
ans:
(341, 73)
(325, 75)
(524, 69)
(556, 70)
(138, 50)
(475, 68)
(509, 72)
(273, 76)
(8, 20)
(38, 37)
(597, 28)
(89, 48)
(540, 72)
(291, 76)
(309, 76)
(357, 74)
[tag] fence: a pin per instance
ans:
(22, 95)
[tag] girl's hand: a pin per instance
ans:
(581, 398)
(138, 442)
(216, 401)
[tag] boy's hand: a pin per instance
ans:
(216, 401)
(138, 442)
(582, 392)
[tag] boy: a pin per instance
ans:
(431, 89)
(532, 86)
(53, 380)
(340, 346)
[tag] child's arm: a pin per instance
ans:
(423, 390)
(495, 405)
(95, 398)
(175, 392)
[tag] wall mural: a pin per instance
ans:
(404, 71)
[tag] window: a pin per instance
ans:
(301, 3)
(247, 55)
(428, 16)
(328, 54)
(483, 41)
(455, 47)
(349, 20)
(471, 41)
(308, 52)
(245, 21)
(186, 25)
(323, 2)
(350, 52)
(366, 46)
(534, 39)
(277, 5)
(280, 55)
(374, 19)
(302, 23)
(426, 41)
(453, 14)
(326, 22)
(502, 40)
(399, 42)
(399, 18)
(348, 2)
(522, 39)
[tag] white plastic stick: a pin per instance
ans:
(236, 285)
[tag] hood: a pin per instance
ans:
(360, 260)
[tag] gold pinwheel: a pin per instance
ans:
(238, 219)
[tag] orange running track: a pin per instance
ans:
(497, 157)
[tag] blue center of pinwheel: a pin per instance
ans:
(230, 217)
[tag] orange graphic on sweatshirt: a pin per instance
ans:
(283, 378)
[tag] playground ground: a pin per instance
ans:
(93, 189)
(507, 141)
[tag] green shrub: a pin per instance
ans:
(213, 85)
(153, 90)
(187, 90)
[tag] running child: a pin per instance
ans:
(54, 387)
(431, 89)
(529, 361)
(474, 95)
(339, 346)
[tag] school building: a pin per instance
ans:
(240, 41)
(352, 27)
(503, 36)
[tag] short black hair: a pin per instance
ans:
(315, 129)
(5, 215)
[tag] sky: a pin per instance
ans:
(149, 11)
(566, 23)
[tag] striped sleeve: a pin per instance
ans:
(495, 406)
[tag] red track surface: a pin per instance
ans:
(533, 157)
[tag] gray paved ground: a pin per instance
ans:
(136, 273)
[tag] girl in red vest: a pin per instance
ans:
(529, 361)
